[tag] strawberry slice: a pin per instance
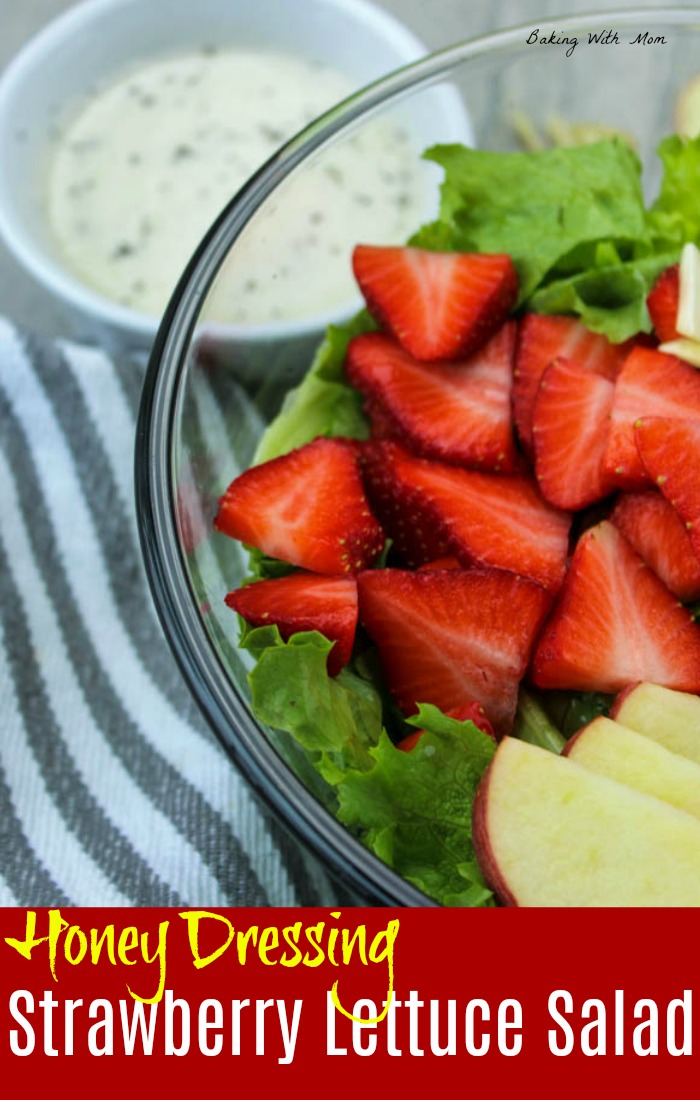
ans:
(450, 562)
(615, 623)
(670, 451)
(651, 383)
(304, 601)
(431, 511)
(662, 304)
(470, 712)
(400, 505)
(438, 305)
(307, 508)
(450, 638)
(542, 339)
(382, 426)
(655, 530)
(570, 431)
(457, 412)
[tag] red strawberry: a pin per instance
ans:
(457, 412)
(541, 339)
(400, 505)
(615, 623)
(662, 304)
(410, 740)
(670, 451)
(449, 562)
(300, 602)
(570, 432)
(651, 383)
(450, 638)
(307, 507)
(438, 305)
(657, 533)
(470, 712)
(431, 510)
(381, 424)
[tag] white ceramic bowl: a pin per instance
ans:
(47, 81)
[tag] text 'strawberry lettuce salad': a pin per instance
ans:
(477, 520)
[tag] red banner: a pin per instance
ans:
(487, 999)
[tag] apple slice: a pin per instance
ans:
(547, 832)
(671, 718)
(606, 747)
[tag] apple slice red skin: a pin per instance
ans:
(482, 845)
(620, 698)
(566, 751)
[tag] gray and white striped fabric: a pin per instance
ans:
(112, 790)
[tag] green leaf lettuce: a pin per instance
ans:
(413, 809)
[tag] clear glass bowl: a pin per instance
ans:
(219, 373)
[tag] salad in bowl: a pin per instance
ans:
(452, 576)
(493, 521)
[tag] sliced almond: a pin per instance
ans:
(688, 109)
(687, 350)
(688, 318)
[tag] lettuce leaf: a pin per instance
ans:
(413, 809)
(610, 300)
(324, 403)
(570, 710)
(675, 216)
(335, 719)
(537, 207)
(574, 222)
(533, 724)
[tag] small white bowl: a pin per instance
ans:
(53, 74)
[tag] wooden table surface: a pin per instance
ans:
(438, 22)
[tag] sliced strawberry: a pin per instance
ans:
(450, 638)
(657, 533)
(300, 602)
(662, 304)
(651, 383)
(473, 712)
(431, 510)
(400, 506)
(450, 562)
(541, 339)
(410, 741)
(307, 508)
(381, 424)
(438, 305)
(615, 623)
(570, 431)
(670, 451)
(457, 412)
(470, 712)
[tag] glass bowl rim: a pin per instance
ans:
(174, 600)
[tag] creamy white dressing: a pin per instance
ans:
(143, 168)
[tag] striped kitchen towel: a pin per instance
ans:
(112, 789)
